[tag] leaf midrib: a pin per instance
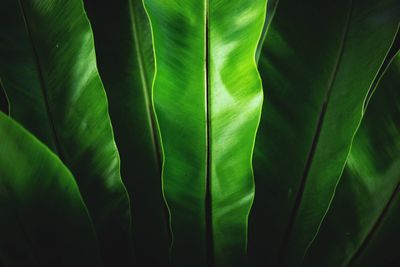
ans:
(42, 82)
(208, 194)
(310, 157)
(146, 87)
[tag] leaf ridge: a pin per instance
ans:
(208, 197)
(145, 86)
(42, 82)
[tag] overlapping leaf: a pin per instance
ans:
(125, 59)
(317, 68)
(369, 186)
(44, 221)
(48, 70)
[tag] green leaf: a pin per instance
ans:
(44, 221)
(369, 186)
(317, 68)
(48, 69)
(208, 97)
(125, 58)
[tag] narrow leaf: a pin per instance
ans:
(207, 96)
(125, 58)
(44, 221)
(48, 69)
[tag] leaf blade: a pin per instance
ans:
(60, 98)
(295, 97)
(125, 60)
(370, 182)
(28, 235)
(193, 81)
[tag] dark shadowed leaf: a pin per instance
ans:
(44, 221)
(125, 58)
(48, 70)
(317, 68)
(369, 186)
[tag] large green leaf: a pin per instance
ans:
(207, 96)
(48, 69)
(125, 58)
(370, 182)
(44, 221)
(317, 68)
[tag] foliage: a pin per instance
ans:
(199, 133)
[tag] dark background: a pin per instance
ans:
(3, 101)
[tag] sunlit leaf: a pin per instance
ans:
(208, 97)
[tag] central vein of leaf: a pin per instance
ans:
(208, 199)
(53, 131)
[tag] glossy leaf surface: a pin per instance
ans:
(207, 96)
(48, 69)
(44, 221)
(370, 183)
(316, 73)
(125, 58)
